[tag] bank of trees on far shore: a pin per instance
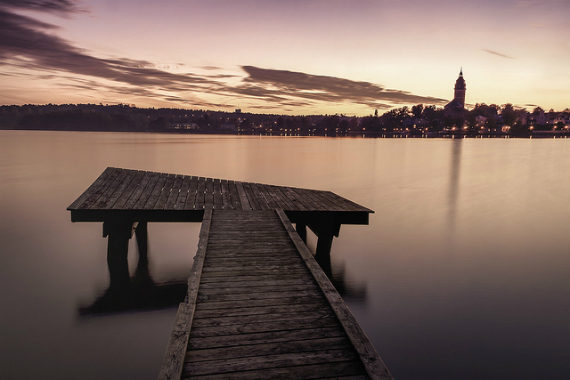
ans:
(418, 120)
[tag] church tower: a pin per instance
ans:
(459, 94)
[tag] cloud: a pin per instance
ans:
(497, 53)
(60, 6)
(275, 84)
(30, 44)
(209, 67)
(26, 39)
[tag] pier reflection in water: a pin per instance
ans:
(139, 292)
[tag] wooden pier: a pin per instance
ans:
(258, 304)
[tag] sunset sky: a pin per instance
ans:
(277, 56)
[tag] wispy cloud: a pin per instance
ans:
(59, 6)
(497, 53)
(275, 84)
(27, 43)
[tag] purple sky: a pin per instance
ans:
(294, 57)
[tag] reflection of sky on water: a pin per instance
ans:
(482, 304)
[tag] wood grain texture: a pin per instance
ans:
(258, 307)
(153, 196)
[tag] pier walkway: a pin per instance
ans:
(258, 304)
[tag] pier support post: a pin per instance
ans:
(302, 231)
(118, 233)
(323, 252)
(142, 274)
(325, 230)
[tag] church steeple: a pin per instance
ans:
(459, 94)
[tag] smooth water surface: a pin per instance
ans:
(463, 272)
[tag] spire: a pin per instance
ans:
(461, 71)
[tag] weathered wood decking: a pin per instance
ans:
(258, 304)
(156, 197)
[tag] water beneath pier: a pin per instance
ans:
(463, 272)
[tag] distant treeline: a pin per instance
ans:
(418, 120)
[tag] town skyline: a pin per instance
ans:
(298, 58)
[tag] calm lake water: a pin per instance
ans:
(463, 272)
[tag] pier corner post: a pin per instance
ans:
(301, 229)
(118, 233)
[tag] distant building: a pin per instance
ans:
(458, 102)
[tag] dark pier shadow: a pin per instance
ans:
(336, 274)
(347, 289)
(139, 292)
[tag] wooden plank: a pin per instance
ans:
(109, 182)
(295, 199)
(232, 196)
(155, 193)
(259, 310)
(309, 200)
(251, 198)
(254, 216)
(215, 297)
(252, 303)
(264, 349)
(115, 182)
(247, 328)
(245, 285)
(250, 272)
(127, 192)
(281, 200)
(269, 196)
(191, 199)
(165, 192)
(227, 292)
(285, 276)
(139, 190)
(174, 193)
(257, 318)
(200, 193)
(254, 268)
(375, 366)
(350, 205)
(121, 191)
(174, 357)
(338, 201)
(183, 194)
(253, 260)
(209, 195)
(328, 203)
(147, 192)
(264, 337)
(96, 187)
(173, 361)
(218, 200)
(261, 255)
(226, 196)
(243, 199)
(260, 197)
(268, 361)
(313, 371)
(237, 253)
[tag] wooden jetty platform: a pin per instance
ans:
(259, 304)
